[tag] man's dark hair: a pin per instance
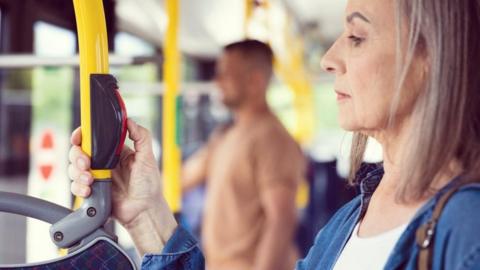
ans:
(259, 54)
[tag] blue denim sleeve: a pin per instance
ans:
(329, 241)
(181, 252)
(457, 238)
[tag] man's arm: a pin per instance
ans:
(194, 171)
(280, 224)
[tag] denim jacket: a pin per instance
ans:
(456, 242)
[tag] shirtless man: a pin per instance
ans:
(252, 170)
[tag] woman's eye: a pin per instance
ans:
(356, 41)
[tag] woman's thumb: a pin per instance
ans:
(142, 140)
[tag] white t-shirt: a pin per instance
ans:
(369, 253)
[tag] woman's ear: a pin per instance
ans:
(419, 72)
(424, 58)
(426, 67)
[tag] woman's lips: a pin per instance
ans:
(341, 96)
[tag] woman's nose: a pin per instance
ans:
(331, 62)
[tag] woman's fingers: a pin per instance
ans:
(84, 177)
(80, 190)
(76, 138)
(78, 158)
(79, 167)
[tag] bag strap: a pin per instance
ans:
(425, 233)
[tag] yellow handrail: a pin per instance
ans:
(290, 68)
(171, 155)
(93, 47)
(93, 50)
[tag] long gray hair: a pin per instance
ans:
(446, 114)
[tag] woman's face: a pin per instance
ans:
(363, 60)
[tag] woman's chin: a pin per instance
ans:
(348, 124)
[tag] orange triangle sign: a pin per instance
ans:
(46, 171)
(47, 141)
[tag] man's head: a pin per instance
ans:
(243, 72)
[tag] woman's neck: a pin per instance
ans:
(384, 211)
(395, 143)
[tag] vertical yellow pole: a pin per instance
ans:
(290, 67)
(171, 155)
(249, 7)
(93, 50)
(93, 47)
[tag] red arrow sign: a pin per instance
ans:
(46, 171)
(47, 141)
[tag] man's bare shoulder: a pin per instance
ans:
(219, 132)
(270, 132)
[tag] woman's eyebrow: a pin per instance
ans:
(356, 14)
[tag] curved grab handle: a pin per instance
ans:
(32, 207)
(74, 226)
(48, 212)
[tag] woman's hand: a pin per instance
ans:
(137, 203)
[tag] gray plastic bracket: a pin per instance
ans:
(92, 215)
(95, 235)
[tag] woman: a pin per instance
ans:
(406, 75)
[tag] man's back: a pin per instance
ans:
(244, 162)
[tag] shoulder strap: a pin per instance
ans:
(425, 233)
